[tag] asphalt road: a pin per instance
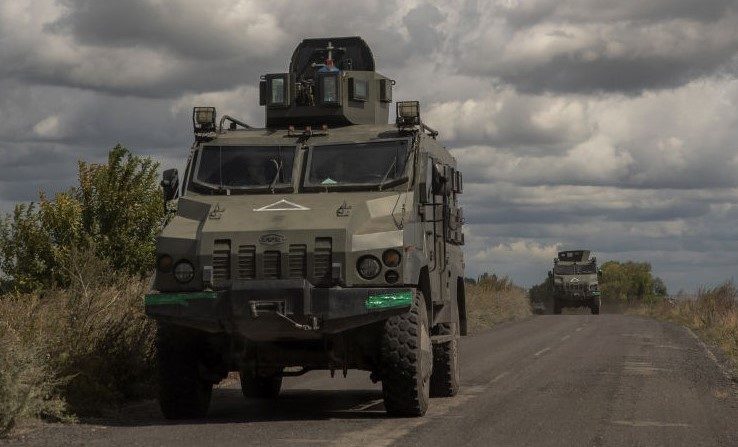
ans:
(568, 380)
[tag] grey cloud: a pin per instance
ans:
(577, 46)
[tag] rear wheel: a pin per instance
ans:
(183, 394)
(444, 381)
(255, 385)
(407, 361)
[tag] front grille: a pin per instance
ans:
(576, 287)
(246, 262)
(297, 261)
(221, 260)
(322, 260)
(272, 265)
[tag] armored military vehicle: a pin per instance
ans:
(328, 240)
(574, 279)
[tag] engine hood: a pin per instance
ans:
(353, 213)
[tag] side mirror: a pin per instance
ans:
(550, 274)
(599, 273)
(170, 184)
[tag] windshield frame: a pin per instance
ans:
(210, 188)
(312, 187)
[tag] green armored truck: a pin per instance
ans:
(574, 280)
(328, 240)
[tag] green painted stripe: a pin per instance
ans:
(154, 299)
(389, 300)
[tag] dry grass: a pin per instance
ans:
(713, 314)
(74, 351)
(493, 300)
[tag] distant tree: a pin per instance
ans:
(659, 287)
(630, 281)
(542, 293)
(115, 212)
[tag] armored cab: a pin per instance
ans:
(329, 240)
(575, 281)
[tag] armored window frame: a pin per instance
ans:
(355, 86)
(385, 90)
(266, 90)
(209, 188)
(334, 77)
(308, 160)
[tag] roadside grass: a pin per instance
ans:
(712, 313)
(75, 351)
(493, 300)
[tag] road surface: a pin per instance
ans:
(566, 380)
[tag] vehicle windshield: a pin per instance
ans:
(359, 164)
(576, 269)
(246, 166)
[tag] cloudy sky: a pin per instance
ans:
(578, 123)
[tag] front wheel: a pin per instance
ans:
(595, 306)
(407, 361)
(444, 381)
(183, 393)
(557, 306)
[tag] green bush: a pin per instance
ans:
(115, 212)
(73, 335)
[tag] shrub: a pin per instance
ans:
(494, 299)
(77, 350)
(713, 313)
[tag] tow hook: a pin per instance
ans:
(259, 308)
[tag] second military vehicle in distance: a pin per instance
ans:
(574, 280)
(329, 240)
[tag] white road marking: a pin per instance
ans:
(651, 424)
(642, 368)
(710, 355)
(565, 337)
(539, 353)
(498, 377)
(579, 328)
(366, 406)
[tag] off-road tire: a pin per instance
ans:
(406, 361)
(260, 387)
(444, 381)
(594, 307)
(557, 306)
(183, 394)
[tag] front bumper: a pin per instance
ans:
(578, 295)
(279, 309)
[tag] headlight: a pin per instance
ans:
(391, 276)
(164, 263)
(391, 258)
(184, 272)
(368, 267)
(593, 287)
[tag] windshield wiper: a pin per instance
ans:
(278, 165)
(386, 174)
